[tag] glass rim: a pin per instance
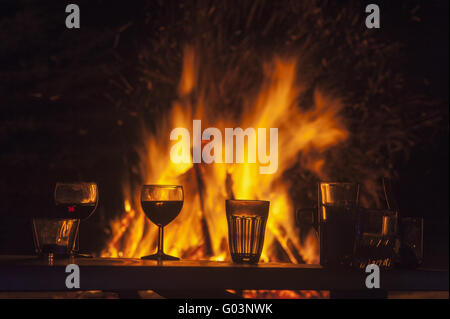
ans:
(75, 183)
(411, 218)
(379, 210)
(53, 219)
(248, 200)
(338, 183)
(78, 183)
(161, 186)
(148, 187)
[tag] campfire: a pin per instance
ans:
(200, 231)
(277, 149)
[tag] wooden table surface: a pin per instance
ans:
(28, 273)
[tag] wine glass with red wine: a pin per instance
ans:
(161, 204)
(76, 201)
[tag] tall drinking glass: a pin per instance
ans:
(337, 205)
(161, 204)
(246, 228)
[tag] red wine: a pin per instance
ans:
(75, 211)
(163, 212)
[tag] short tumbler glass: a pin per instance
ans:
(377, 240)
(55, 236)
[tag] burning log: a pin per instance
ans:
(202, 221)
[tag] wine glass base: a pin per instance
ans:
(80, 255)
(51, 255)
(160, 256)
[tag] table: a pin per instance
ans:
(203, 278)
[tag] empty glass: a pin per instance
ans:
(246, 228)
(411, 238)
(377, 241)
(54, 237)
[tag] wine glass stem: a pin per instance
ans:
(77, 244)
(160, 240)
(77, 238)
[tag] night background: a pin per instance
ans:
(73, 102)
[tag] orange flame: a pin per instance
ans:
(200, 231)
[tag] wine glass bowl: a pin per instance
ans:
(161, 204)
(76, 200)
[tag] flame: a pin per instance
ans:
(200, 231)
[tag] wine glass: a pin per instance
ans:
(161, 204)
(78, 201)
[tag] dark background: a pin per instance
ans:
(70, 100)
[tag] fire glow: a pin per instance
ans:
(200, 231)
